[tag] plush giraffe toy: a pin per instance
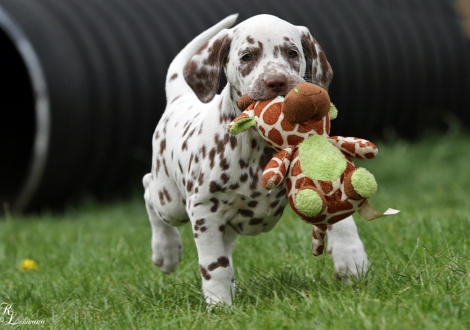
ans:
(323, 184)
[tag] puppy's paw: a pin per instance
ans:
(349, 258)
(167, 251)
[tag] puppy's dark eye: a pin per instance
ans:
(247, 57)
(292, 54)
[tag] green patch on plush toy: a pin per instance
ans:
(323, 184)
(320, 160)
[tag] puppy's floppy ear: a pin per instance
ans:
(203, 70)
(318, 69)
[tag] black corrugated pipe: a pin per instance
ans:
(82, 81)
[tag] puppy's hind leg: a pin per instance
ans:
(166, 239)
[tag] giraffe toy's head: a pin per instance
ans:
(286, 121)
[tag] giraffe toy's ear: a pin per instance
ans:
(241, 123)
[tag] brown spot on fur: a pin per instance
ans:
(177, 97)
(234, 186)
(189, 186)
(219, 144)
(214, 207)
(164, 167)
(205, 274)
(218, 51)
(200, 179)
(224, 164)
(255, 221)
(203, 151)
(211, 158)
(215, 187)
(181, 167)
(221, 262)
(242, 163)
(246, 213)
(281, 192)
(233, 142)
(279, 211)
(267, 155)
(253, 204)
(276, 51)
(167, 195)
(157, 165)
(244, 177)
(274, 204)
(161, 198)
(224, 177)
(255, 194)
(162, 146)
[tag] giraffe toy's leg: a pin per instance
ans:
(318, 239)
(309, 201)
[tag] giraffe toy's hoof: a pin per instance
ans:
(309, 202)
(360, 184)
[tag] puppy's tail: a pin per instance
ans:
(175, 83)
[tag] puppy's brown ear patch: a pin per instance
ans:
(202, 72)
(318, 68)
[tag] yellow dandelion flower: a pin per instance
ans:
(28, 264)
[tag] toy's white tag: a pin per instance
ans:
(369, 213)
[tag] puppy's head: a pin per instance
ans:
(263, 57)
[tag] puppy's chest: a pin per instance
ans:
(231, 174)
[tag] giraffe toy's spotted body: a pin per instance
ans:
(317, 168)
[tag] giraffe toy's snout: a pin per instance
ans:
(304, 102)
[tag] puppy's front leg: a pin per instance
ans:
(214, 261)
(347, 250)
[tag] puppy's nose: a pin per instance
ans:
(277, 84)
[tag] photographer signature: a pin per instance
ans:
(8, 316)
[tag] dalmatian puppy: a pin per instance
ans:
(202, 175)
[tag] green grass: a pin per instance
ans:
(95, 270)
